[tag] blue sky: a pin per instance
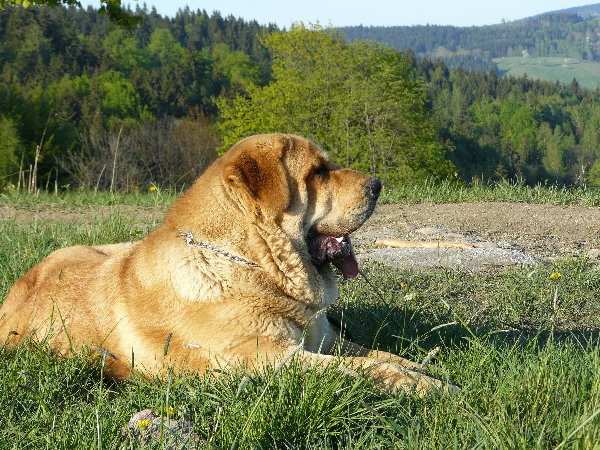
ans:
(367, 12)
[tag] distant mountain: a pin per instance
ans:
(570, 33)
(586, 12)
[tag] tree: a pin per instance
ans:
(552, 148)
(594, 175)
(10, 145)
(359, 101)
(165, 49)
(518, 130)
(125, 52)
(34, 53)
(234, 71)
(112, 8)
(119, 98)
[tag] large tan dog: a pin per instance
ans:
(239, 274)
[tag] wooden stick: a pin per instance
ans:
(398, 243)
(114, 167)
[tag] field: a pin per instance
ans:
(521, 342)
(553, 68)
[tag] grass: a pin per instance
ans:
(523, 347)
(425, 192)
(504, 191)
(553, 68)
(158, 197)
(513, 396)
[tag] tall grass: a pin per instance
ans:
(504, 191)
(522, 346)
(155, 197)
(429, 191)
(513, 396)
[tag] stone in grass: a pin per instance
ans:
(145, 427)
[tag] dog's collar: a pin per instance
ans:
(192, 242)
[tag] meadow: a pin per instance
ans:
(522, 343)
(428, 191)
(552, 68)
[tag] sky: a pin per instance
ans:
(366, 12)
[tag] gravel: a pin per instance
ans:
(467, 259)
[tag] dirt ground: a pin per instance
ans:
(84, 213)
(540, 230)
(543, 231)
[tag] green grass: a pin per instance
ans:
(158, 197)
(424, 192)
(513, 396)
(523, 347)
(553, 68)
(504, 191)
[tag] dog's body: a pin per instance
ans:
(238, 274)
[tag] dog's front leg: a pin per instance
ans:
(352, 349)
(388, 375)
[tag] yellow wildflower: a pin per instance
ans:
(152, 188)
(143, 424)
(403, 285)
(555, 276)
(170, 411)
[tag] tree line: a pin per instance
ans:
(566, 35)
(84, 104)
(79, 95)
(515, 127)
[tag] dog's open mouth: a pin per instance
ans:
(337, 250)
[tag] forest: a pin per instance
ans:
(551, 34)
(85, 104)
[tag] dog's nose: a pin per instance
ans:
(375, 185)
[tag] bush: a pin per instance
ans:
(168, 151)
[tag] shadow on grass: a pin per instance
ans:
(409, 333)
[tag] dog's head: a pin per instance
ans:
(287, 180)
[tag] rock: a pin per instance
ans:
(145, 427)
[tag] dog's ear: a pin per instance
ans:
(259, 173)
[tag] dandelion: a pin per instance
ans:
(169, 412)
(152, 188)
(403, 285)
(143, 424)
(555, 276)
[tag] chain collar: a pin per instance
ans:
(192, 242)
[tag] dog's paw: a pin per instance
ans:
(425, 386)
(397, 379)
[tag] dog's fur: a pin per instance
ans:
(229, 279)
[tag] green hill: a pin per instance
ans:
(572, 33)
(587, 11)
(552, 68)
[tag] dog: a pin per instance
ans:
(239, 274)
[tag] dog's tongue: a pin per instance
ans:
(347, 265)
(338, 251)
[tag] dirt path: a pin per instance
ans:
(83, 213)
(543, 231)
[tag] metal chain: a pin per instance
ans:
(192, 242)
